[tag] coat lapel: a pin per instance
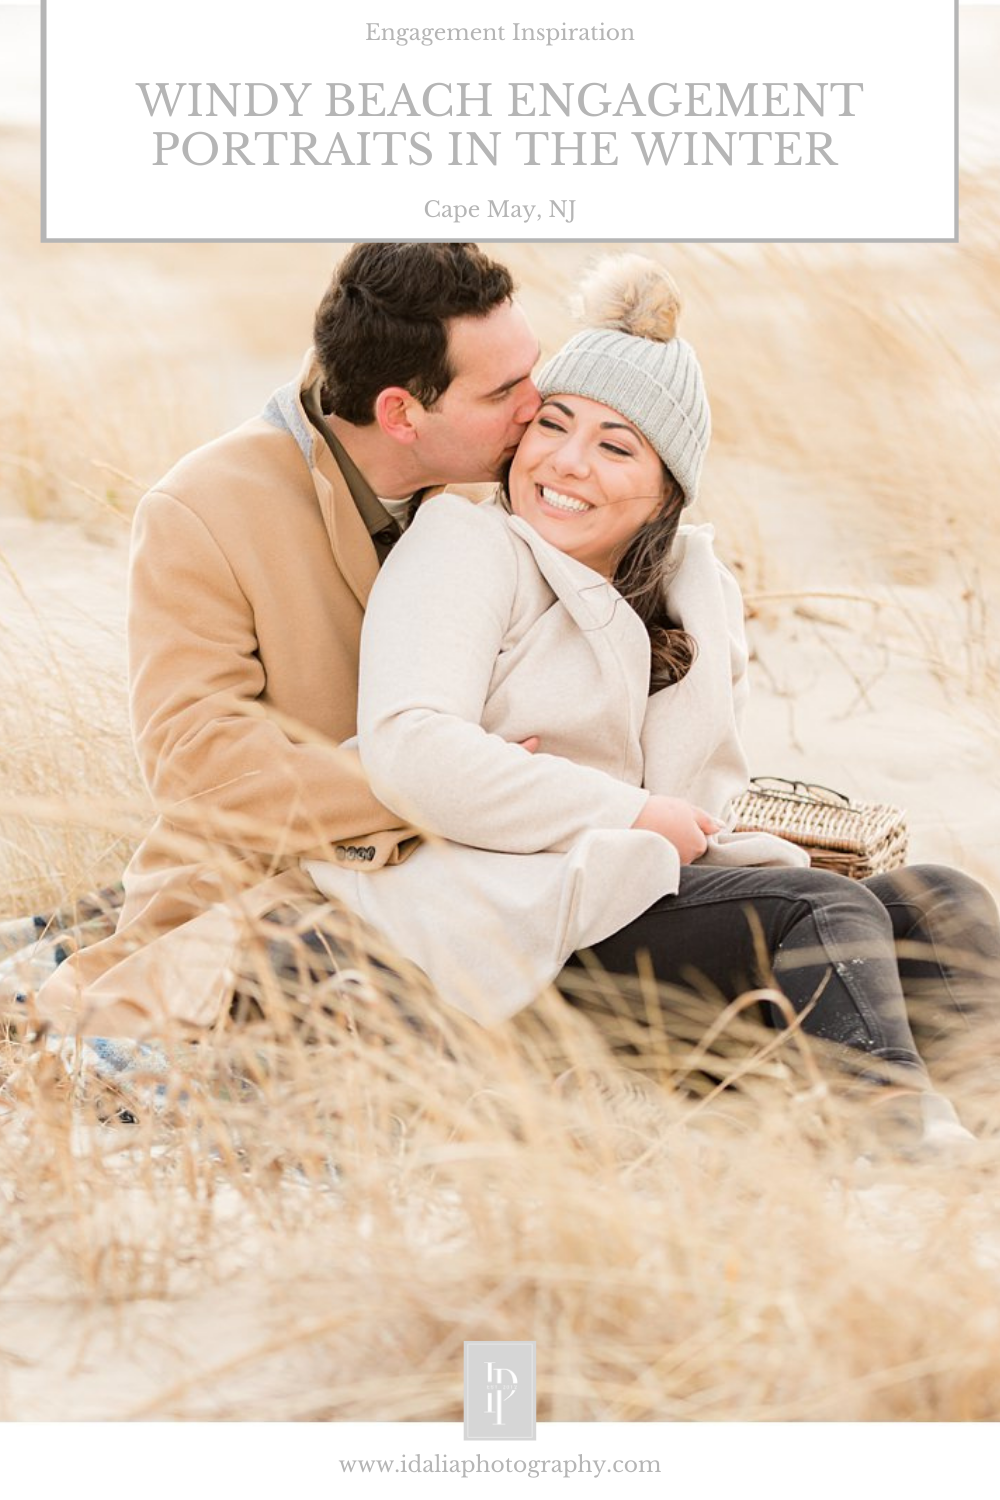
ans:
(349, 540)
(608, 625)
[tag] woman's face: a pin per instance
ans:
(585, 479)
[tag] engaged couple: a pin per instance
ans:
(502, 728)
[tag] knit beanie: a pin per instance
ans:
(630, 358)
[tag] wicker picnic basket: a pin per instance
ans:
(853, 838)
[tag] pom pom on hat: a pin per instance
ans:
(630, 359)
(633, 295)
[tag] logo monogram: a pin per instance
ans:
(500, 1384)
(499, 1389)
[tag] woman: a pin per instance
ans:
(574, 609)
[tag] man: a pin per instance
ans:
(251, 564)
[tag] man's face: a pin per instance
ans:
(472, 431)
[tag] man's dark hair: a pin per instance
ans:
(383, 320)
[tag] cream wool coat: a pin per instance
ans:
(479, 634)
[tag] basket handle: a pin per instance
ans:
(803, 791)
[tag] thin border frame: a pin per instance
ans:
(953, 239)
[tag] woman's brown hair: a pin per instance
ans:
(640, 576)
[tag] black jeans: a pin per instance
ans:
(857, 954)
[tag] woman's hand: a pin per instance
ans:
(685, 826)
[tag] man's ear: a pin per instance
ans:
(395, 410)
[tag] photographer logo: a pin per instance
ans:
(499, 1389)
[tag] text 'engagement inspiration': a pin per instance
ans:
(735, 121)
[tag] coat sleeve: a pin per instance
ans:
(436, 621)
(213, 757)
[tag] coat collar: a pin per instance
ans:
(350, 542)
(588, 598)
(345, 497)
(610, 626)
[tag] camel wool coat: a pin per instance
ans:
(250, 570)
(479, 634)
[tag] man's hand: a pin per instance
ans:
(685, 826)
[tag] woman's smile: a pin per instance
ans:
(586, 480)
(555, 500)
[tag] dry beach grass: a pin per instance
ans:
(311, 1224)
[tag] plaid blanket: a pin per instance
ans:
(125, 1078)
(32, 947)
(124, 1075)
(301, 956)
